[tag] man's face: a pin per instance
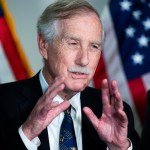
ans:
(75, 52)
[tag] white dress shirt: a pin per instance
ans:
(54, 127)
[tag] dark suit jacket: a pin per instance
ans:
(17, 99)
(145, 138)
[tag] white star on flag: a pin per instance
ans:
(130, 31)
(137, 14)
(146, 24)
(143, 41)
(137, 58)
(125, 5)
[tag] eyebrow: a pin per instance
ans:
(71, 37)
(99, 43)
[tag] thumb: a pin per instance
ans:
(91, 116)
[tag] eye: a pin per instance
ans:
(94, 47)
(72, 42)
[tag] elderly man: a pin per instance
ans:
(70, 39)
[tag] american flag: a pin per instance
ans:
(126, 53)
(13, 62)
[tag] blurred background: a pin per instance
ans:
(125, 55)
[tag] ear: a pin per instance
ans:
(43, 46)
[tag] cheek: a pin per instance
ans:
(94, 60)
(67, 58)
(59, 60)
(62, 61)
(55, 59)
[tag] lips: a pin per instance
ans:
(77, 75)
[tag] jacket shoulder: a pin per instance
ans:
(10, 86)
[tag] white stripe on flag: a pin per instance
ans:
(6, 74)
(113, 64)
(146, 80)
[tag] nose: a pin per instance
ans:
(82, 57)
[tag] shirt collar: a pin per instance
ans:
(44, 84)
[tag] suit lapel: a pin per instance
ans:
(87, 128)
(31, 91)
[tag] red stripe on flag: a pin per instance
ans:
(139, 95)
(11, 51)
(100, 73)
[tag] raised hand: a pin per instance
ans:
(45, 110)
(112, 125)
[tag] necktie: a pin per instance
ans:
(67, 139)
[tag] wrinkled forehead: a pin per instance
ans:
(80, 23)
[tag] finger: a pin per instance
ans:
(53, 109)
(123, 117)
(119, 101)
(46, 100)
(54, 104)
(114, 87)
(91, 116)
(55, 91)
(105, 94)
(112, 100)
(54, 88)
(57, 81)
(60, 108)
(117, 96)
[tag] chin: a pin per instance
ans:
(77, 87)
